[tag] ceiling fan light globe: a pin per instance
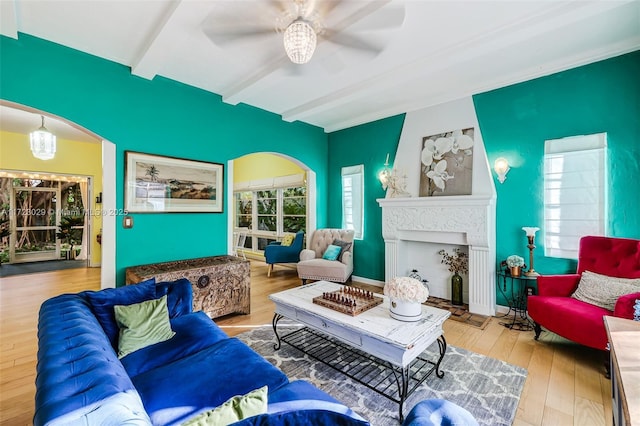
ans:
(300, 42)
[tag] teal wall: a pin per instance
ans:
(168, 118)
(516, 120)
(366, 144)
(158, 117)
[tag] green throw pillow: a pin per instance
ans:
(235, 409)
(332, 252)
(142, 325)
(287, 240)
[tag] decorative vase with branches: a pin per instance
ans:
(458, 263)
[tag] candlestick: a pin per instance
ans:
(531, 235)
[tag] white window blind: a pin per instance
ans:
(574, 192)
(352, 199)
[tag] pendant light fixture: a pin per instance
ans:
(43, 143)
(300, 41)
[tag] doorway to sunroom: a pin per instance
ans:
(43, 218)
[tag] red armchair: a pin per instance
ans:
(553, 307)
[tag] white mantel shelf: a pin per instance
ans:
(460, 200)
(465, 220)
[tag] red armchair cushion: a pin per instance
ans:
(578, 321)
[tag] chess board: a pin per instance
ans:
(348, 300)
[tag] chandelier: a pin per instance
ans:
(43, 143)
(300, 41)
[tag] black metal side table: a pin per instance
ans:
(516, 295)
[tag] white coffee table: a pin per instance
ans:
(371, 347)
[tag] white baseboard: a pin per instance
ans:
(367, 281)
(502, 309)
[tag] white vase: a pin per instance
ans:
(405, 311)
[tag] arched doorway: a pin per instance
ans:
(273, 180)
(74, 179)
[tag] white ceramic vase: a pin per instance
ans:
(405, 311)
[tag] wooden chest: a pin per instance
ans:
(221, 284)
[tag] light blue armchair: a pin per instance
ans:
(275, 252)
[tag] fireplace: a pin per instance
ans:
(459, 220)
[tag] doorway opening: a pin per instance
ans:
(272, 194)
(44, 222)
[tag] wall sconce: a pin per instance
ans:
(390, 180)
(99, 198)
(385, 174)
(127, 222)
(501, 167)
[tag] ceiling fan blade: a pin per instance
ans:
(228, 34)
(352, 41)
(393, 17)
(324, 8)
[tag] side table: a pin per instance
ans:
(516, 295)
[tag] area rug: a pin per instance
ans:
(488, 388)
(459, 312)
(8, 270)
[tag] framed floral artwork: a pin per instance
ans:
(159, 184)
(447, 163)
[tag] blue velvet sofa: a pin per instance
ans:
(81, 381)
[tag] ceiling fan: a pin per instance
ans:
(302, 24)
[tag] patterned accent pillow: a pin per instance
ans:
(287, 240)
(636, 310)
(602, 290)
(344, 245)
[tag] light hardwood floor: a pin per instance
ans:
(565, 384)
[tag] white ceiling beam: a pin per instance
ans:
(516, 32)
(168, 36)
(8, 19)
(234, 95)
(583, 58)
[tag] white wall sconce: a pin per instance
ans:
(390, 180)
(501, 167)
(385, 174)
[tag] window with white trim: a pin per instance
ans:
(353, 199)
(574, 192)
(269, 208)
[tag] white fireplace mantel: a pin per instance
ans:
(464, 220)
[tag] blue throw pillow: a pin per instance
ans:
(332, 252)
(103, 301)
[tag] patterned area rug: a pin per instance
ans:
(459, 312)
(490, 389)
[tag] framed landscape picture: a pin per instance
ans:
(157, 184)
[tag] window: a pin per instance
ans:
(294, 209)
(352, 199)
(267, 210)
(574, 192)
(244, 201)
(276, 206)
